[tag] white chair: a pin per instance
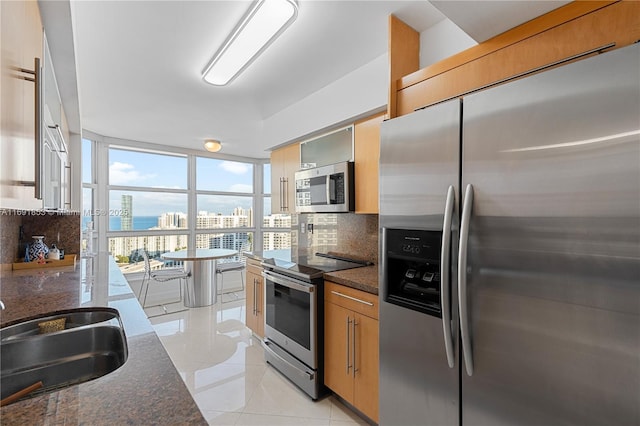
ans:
(161, 276)
(224, 266)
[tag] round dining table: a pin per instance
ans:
(201, 288)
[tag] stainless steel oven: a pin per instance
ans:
(293, 324)
(294, 317)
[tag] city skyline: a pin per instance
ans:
(127, 247)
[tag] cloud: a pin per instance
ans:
(241, 187)
(126, 174)
(235, 168)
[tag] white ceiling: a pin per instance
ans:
(139, 63)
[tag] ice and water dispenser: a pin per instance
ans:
(413, 269)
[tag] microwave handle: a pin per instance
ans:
(328, 188)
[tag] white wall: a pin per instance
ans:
(355, 95)
(358, 94)
(442, 40)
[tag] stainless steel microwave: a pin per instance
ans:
(326, 189)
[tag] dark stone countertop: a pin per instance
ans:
(365, 278)
(146, 390)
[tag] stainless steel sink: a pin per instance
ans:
(92, 345)
(74, 318)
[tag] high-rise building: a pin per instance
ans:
(172, 220)
(126, 219)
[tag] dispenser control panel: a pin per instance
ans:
(412, 259)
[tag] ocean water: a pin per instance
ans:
(140, 223)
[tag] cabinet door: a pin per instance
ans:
(277, 173)
(338, 355)
(291, 166)
(284, 163)
(251, 300)
(259, 316)
(367, 365)
(367, 157)
(20, 42)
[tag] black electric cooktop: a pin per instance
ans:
(312, 267)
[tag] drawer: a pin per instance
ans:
(350, 298)
(254, 266)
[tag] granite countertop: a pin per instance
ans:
(147, 389)
(365, 278)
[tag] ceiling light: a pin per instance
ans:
(212, 145)
(264, 22)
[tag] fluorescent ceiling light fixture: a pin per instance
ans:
(264, 22)
(212, 145)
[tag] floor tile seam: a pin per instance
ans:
(285, 415)
(253, 391)
(228, 424)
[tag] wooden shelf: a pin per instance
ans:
(69, 260)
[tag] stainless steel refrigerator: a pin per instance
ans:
(510, 253)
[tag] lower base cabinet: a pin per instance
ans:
(351, 346)
(255, 298)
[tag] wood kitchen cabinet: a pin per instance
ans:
(367, 158)
(351, 353)
(255, 297)
(285, 162)
(565, 32)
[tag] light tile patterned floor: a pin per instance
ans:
(223, 366)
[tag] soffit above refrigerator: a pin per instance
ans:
(482, 20)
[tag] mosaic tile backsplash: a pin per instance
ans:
(60, 229)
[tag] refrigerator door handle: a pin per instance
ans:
(445, 268)
(462, 279)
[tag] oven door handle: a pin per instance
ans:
(289, 282)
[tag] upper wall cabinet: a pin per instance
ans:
(334, 147)
(367, 158)
(55, 167)
(35, 171)
(574, 31)
(21, 42)
(285, 162)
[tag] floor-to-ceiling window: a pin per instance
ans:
(147, 204)
(225, 204)
(165, 199)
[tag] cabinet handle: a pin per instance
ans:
(285, 193)
(348, 342)
(364, 302)
(255, 296)
(354, 347)
(281, 194)
(257, 301)
(69, 185)
(37, 79)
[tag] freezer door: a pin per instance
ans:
(553, 290)
(419, 162)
